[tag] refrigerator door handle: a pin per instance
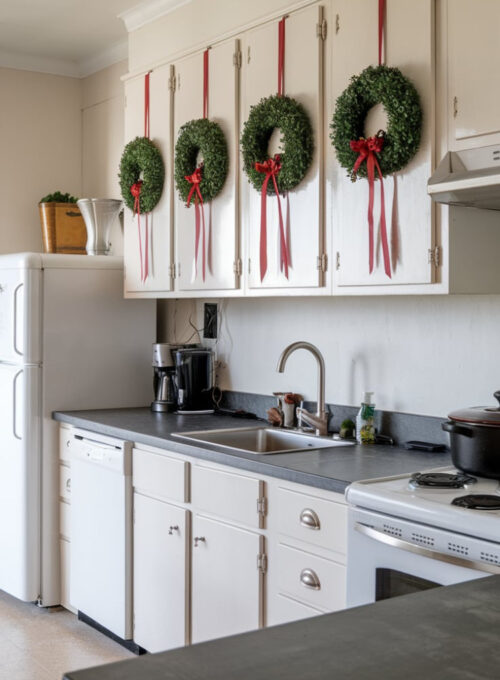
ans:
(14, 402)
(15, 319)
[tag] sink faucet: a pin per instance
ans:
(319, 420)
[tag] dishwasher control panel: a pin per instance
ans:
(113, 454)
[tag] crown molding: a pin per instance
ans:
(149, 11)
(111, 55)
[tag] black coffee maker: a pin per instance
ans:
(164, 377)
(194, 380)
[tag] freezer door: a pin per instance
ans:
(19, 481)
(20, 318)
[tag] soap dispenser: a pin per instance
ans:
(365, 420)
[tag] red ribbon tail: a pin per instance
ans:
(146, 249)
(283, 248)
(288, 231)
(263, 228)
(383, 225)
(203, 239)
(197, 234)
(137, 210)
(370, 167)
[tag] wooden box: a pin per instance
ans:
(63, 228)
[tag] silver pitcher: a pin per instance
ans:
(99, 215)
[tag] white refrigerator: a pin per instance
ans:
(68, 340)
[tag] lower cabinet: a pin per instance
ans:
(161, 574)
(228, 566)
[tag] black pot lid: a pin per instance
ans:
(479, 415)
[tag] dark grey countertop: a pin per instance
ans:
(441, 634)
(332, 469)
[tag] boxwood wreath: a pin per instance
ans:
(297, 141)
(142, 156)
(378, 85)
(207, 138)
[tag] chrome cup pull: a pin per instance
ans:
(309, 579)
(309, 519)
(172, 529)
(199, 539)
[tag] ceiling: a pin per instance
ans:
(65, 36)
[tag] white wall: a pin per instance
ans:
(40, 141)
(102, 138)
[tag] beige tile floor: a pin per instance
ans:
(42, 644)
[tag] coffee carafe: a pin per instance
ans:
(163, 378)
(194, 380)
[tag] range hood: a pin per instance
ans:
(468, 178)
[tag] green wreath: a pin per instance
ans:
(142, 156)
(207, 138)
(389, 87)
(297, 141)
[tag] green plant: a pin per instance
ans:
(141, 156)
(58, 197)
(297, 141)
(207, 138)
(389, 87)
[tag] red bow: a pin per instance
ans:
(367, 148)
(195, 180)
(135, 190)
(271, 167)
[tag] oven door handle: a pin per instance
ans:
(399, 543)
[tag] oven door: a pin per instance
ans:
(387, 557)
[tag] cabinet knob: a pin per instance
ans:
(68, 443)
(309, 519)
(199, 539)
(172, 529)
(309, 579)
(68, 485)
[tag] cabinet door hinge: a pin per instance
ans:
(337, 260)
(337, 23)
(455, 107)
(434, 256)
(321, 29)
(322, 262)
(238, 266)
(171, 83)
(262, 506)
(262, 563)
(171, 271)
(237, 59)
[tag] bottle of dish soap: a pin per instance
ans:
(365, 420)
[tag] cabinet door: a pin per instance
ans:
(473, 56)
(227, 583)
(409, 213)
(221, 214)
(303, 68)
(159, 220)
(161, 584)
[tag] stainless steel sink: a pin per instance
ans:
(260, 440)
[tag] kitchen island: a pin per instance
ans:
(443, 633)
(331, 469)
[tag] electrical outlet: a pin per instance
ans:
(210, 321)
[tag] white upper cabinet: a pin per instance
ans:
(303, 206)
(409, 212)
(473, 31)
(222, 213)
(159, 220)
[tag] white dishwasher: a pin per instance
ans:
(101, 531)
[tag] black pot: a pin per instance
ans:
(475, 440)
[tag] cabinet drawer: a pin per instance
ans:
(65, 482)
(64, 520)
(311, 519)
(284, 609)
(228, 495)
(66, 442)
(161, 475)
(310, 578)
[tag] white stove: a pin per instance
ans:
(404, 537)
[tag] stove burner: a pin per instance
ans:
(478, 501)
(440, 480)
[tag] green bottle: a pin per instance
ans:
(365, 420)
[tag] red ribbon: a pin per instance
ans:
(195, 180)
(381, 17)
(271, 168)
(367, 150)
(281, 57)
(205, 83)
(135, 190)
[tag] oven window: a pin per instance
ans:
(392, 583)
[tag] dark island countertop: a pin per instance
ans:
(332, 469)
(447, 633)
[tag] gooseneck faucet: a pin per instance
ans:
(320, 420)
